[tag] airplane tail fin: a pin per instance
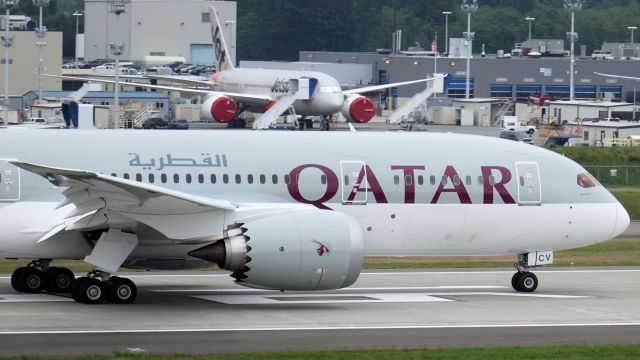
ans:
(222, 59)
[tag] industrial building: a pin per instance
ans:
(23, 64)
(157, 28)
(497, 77)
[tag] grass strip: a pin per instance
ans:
(570, 352)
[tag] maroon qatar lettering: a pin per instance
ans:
(330, 191)
(409, 186)
(373, 186)
(495, 180)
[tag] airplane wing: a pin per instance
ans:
(384, 86)
(243, 98)
(106, 201)
(618, 76)
(198, 81)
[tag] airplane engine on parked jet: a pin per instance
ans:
(358, 108)
(219, 108)
(299, 250)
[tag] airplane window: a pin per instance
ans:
(521, 180)
(432, 180)
(176, 178)
(126, 176)
(456, 180)
(468, 180)
(346, 180)
(408, 179)
(139, 177)
(213, 178)
(323, 179)
(287, 179)
(250, 179)
(201, 178)
(274, 178)
(238, 178)
(225, 178)
(585, 181)
(263, 179)
(396, 179)
(188, 178)
(114, 174)
(480, 180)
(163, 178)
(420, 179)
(444, 180)
(151, 178)
(492, 180)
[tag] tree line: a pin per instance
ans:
(279, 29)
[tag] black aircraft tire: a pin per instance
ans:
(121, 291)
(31, 280)
(14, 279)
(60, 280)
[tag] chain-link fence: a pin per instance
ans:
(616, 176)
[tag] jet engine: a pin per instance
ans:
(298, 250)
(358, 108)
(219, 108)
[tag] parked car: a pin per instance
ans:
(178, 124)
(521, 136)
(154, 123)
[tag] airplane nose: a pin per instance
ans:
(622, 221)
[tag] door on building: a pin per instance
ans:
(529, 192)
(10, 182)
(202, 54)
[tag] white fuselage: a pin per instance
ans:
(326, 97)
(412, 194)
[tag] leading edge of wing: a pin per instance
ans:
(57, 177)
(385, 86)
(235, 96)
(618, 76)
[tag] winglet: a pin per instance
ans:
(222, 60)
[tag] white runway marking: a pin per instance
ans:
(319, 328)
(27, 298)
(361, 298)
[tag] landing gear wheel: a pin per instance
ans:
(514, 281)
(76, 288)
(121, 291)
(31, 280)
(14, 279)
(526, 282)
(92, 291)
(60, 280)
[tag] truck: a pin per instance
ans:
(511, 123)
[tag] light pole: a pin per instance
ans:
(530, 20)
(77, 15)
(446, 32)
(632, 28)
(118, 7)
(41, 33)
(468, 36)
(7, 41)
(573, 6)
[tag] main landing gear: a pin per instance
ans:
(98, 287)
(39, 276)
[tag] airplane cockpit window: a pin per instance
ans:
(585, 181)
(330, 89)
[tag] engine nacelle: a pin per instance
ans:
(358, 108)
(219, 108)
(299, 250)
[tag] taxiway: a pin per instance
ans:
(206, 313)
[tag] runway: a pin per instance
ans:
(200, 313)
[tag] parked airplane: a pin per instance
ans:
(280, 219)
(270, 92)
